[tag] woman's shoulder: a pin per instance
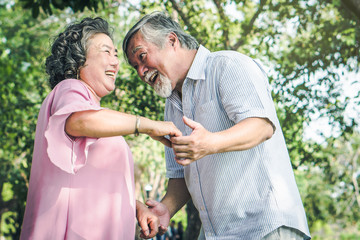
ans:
(70, 83)
(71, 88)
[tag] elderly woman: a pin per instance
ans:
(82, 181)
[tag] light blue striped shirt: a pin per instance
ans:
(242, 194)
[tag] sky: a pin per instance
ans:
(351, 87)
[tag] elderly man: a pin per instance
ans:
(232, 159)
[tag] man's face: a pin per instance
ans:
(153, 64)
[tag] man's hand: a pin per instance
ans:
(244, 135)
(148, 221)
(161, 211)
(188, 149)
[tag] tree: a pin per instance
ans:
(331, 189)
(353, 6)
(25, 43)
(305, 45)
(19, 61)
(47, 5)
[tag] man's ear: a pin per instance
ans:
(173, 39)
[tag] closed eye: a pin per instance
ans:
(109, 53)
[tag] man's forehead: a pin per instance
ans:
(136, 42)
(132, 50)
(136, 48)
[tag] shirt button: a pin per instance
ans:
(202, 208)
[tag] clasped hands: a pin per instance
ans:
(198, 144)
(187, 149)
(153, 218)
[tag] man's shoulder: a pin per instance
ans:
(228, 55)
(228, 59)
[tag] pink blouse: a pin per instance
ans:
(79, 188)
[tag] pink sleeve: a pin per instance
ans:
(65, 152)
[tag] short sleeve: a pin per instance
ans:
(173, 169)
(68, 154)
(244, 79)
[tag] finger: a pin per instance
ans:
(181, 148)
(192, 124)
(144, 237)
(183, 156)
(165, 141)
(144, 230)
(144, 226)
(182, 140)
(152, 234)
(162, 230)
(151, 203)
(183, 162)
(178, 149)
(154, 228)
(177, 133)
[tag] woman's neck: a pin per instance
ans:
(95, 96)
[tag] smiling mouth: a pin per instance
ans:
(110, 74)
(152, 79)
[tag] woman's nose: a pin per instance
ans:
(115, 60)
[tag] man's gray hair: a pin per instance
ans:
(155, 27)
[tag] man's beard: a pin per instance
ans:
(163, 86)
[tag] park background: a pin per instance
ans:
(310, 50)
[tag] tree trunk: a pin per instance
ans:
(353, 6)
(193, 222)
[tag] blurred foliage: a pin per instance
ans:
(331, 190)
(48, 6)
(307, 47)
(21, 93)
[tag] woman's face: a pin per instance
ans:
(101, 65)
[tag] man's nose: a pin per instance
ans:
(142, 70)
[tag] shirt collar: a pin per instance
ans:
(197, 69)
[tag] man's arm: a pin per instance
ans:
(246, 134)
(177, 195)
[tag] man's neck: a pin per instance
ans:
(189, 56)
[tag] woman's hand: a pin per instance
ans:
(161, 211)
(158, 130)
(148, 221)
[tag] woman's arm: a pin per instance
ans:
(108, 123)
